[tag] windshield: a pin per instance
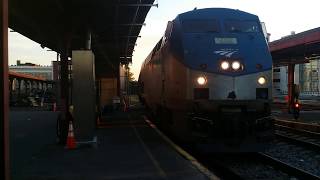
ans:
(241, 26)
(192, 26)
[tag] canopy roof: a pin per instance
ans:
(297, 48)
(114, 25)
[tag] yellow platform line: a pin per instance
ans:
(186, 155)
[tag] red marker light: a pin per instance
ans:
(296, 105)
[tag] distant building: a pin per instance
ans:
(56, 69)
(306, 75)
(45, 72)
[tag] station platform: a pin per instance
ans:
(128, 147)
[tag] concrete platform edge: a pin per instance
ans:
(183, 153)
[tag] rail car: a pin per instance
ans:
(208, 80)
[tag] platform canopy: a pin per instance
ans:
(114, 25)
(297, 48)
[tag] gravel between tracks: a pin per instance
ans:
(255, 170)
(296, 156)
(245, 166)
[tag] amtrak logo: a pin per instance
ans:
(226, 52)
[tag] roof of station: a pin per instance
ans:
(296, 49)
(25, 76)
(114, 25)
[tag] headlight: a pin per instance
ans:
(201, 80)
(262, 80)
(224, 65)
(235, 65)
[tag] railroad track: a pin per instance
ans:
(224, 167)
(305, 142)
(287, 168)
(299, 126)
(302, 134)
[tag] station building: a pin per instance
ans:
(45, 72)
(305, 75)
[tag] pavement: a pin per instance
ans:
(127, 148)
(30, 133)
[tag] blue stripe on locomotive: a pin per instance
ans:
(199, 48)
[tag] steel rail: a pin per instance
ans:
(301, 126)
(298, 131)
(309, 145)
(291, 170)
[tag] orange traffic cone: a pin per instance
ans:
(71, 142)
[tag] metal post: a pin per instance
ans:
(88, 40)
(118, 80)
(25, 83)
(10, 89)
(64, 74)
(33, 86)
(19, 87)
(28, 87)
(290, 86)
(4, 76)
(64, 96)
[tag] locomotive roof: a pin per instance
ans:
(217, 13)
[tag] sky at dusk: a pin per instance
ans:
(281, 17)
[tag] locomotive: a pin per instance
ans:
(208, 80)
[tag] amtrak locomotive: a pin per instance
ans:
(208, 80)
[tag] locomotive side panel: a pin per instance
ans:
(175, 83)
(151, 82)
(175, 97)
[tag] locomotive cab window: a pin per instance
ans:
(200, 26)
(241, 26)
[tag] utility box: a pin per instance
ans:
(83, 94)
